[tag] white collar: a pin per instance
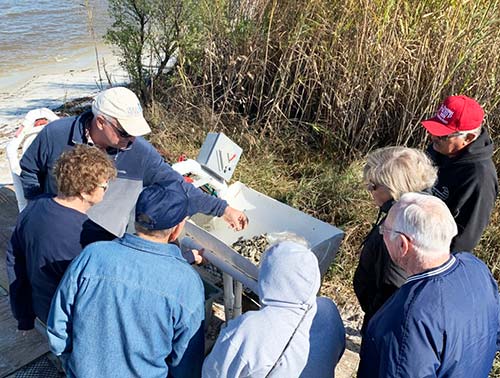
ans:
(433, 272)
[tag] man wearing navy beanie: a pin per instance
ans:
(133, 306)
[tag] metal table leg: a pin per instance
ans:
(238, 292)
(228, 296)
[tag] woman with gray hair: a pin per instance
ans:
(389, 173)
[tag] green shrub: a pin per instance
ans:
(148, 33)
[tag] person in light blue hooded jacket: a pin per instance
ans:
(294, 334)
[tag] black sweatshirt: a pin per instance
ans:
(468, 184)
(376, 277)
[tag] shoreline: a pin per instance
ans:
(51, 86)
(12, 78)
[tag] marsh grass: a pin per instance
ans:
(356, 75)
(316, 184)
(308, 87)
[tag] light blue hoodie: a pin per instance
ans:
(252, 344)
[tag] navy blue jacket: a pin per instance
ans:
(139, 165)
(441, 323)
(46, 239)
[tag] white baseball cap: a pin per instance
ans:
(121, 103)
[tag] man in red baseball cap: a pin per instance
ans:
(467, 179)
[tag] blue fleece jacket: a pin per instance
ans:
(139, 165)
(253, 343)
(442, 323)
(129, 308)
(46, 239)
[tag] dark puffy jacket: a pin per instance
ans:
(468, 184)
(376, 278)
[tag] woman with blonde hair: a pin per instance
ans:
(389, 173)
(48, 234)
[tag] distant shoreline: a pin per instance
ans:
(52, 85)
(83, 59)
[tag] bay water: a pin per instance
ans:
(47, 36)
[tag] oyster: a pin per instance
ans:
(252, 248)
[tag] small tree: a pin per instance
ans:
(150, 32)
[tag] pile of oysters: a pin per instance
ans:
(252, 248)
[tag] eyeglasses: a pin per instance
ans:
(121, 133)
(103, 186)
(371, 187)
(383, 229)
(449, 136)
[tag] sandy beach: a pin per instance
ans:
(51, 86)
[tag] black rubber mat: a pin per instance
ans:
(40, 368)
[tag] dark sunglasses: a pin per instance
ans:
(121, 133)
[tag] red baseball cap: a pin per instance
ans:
(456, 113)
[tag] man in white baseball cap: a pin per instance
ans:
(115, 124)
(123, 105)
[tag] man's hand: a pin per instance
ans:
(236, 219)
(198, 256)
(194, 256)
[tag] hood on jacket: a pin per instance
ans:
(289, 276)
(480, 149)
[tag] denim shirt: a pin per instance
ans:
(128, 308)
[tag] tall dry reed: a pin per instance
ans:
(358, 74)
(346, 75)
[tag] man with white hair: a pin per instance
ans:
(444, 321)
(467, 179)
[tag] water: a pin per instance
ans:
(37, 36)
